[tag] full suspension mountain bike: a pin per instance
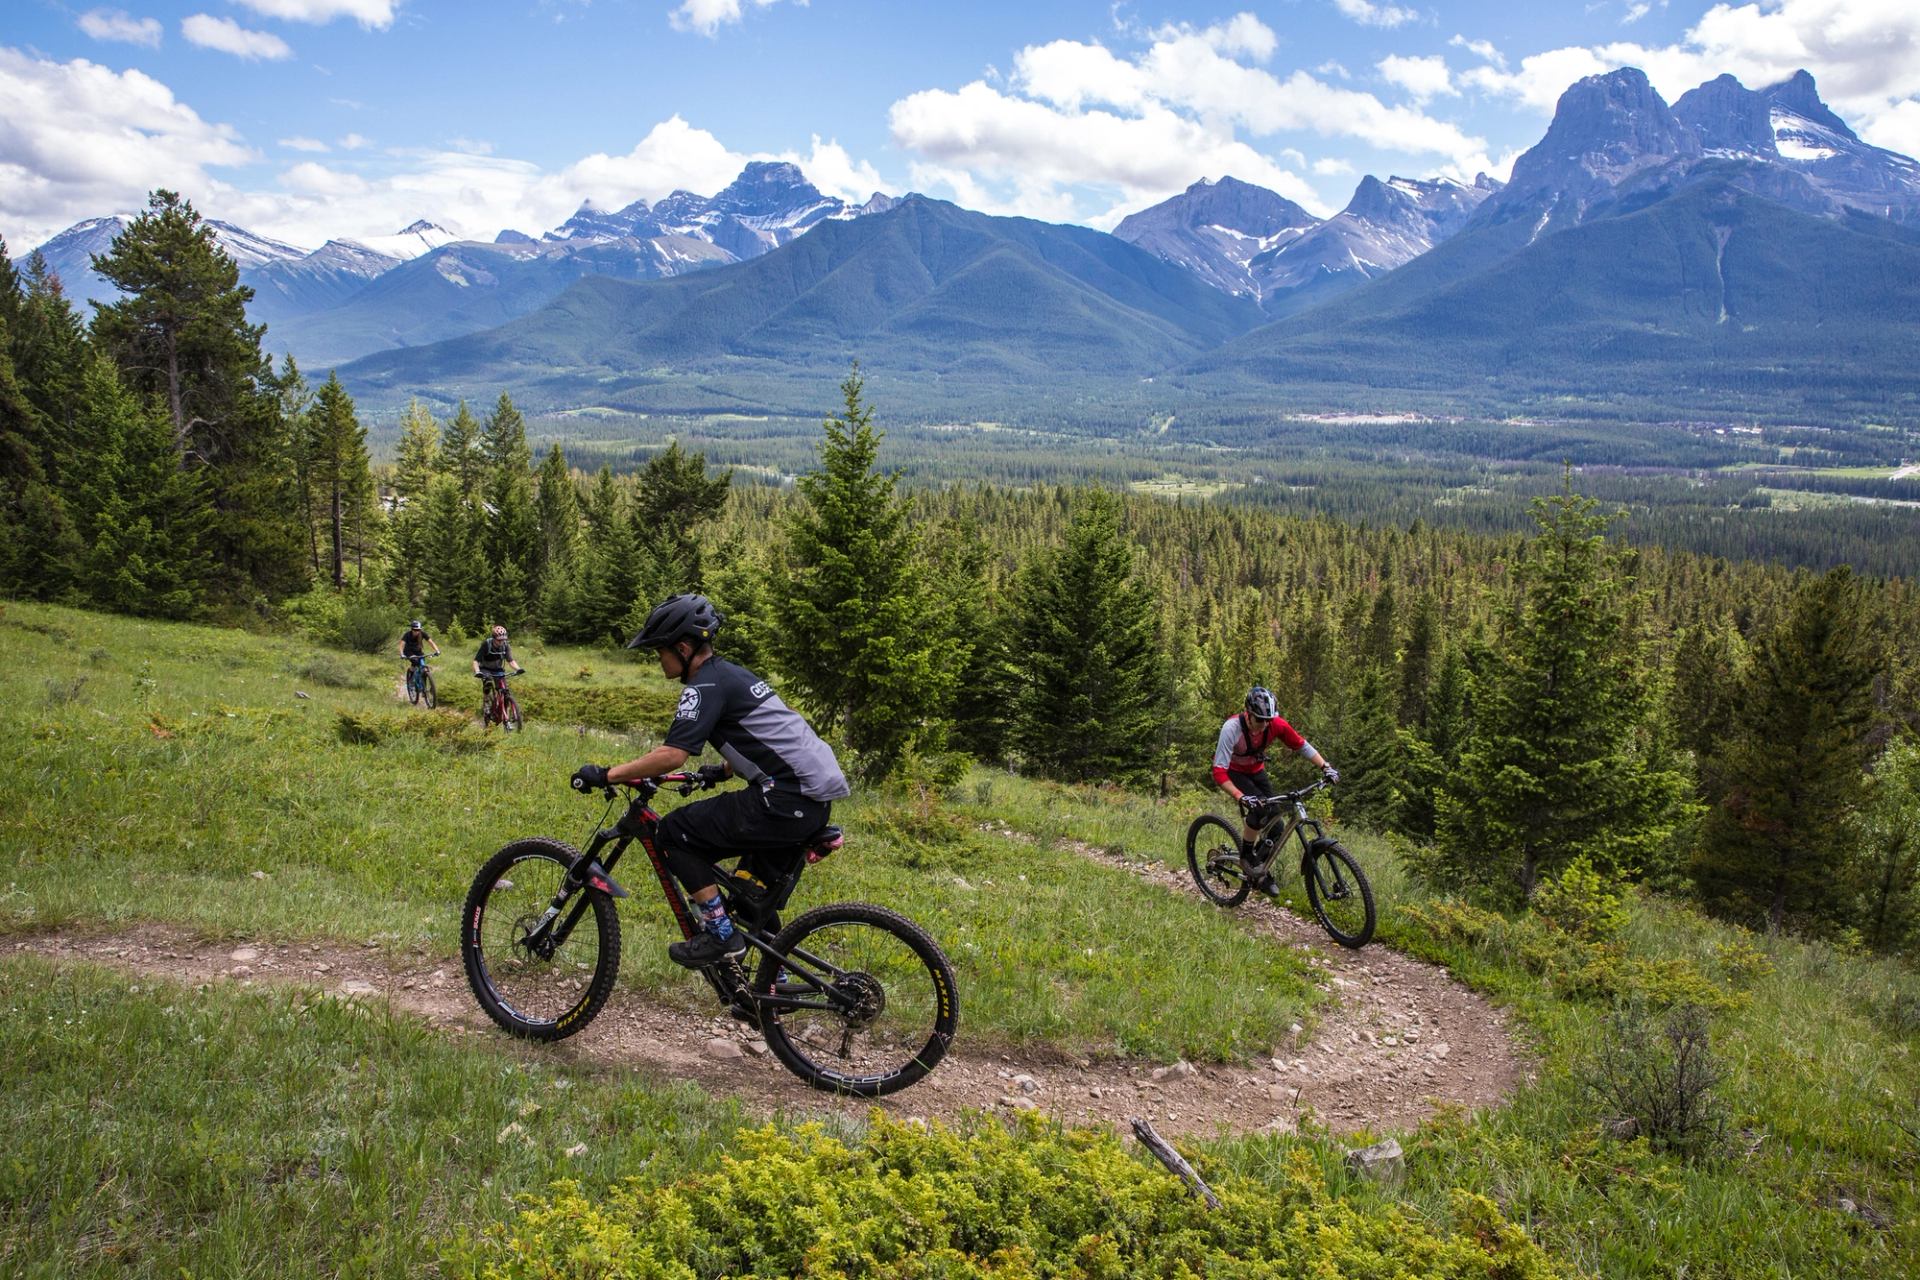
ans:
(497, 705)
(1336, 886)
(420, 682)
(851, 997)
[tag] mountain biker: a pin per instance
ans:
(414, 642)
(793, 778)
(493, 655)
(1240, 766)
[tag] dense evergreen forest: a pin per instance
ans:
(1541, 686)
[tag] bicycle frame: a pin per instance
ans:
(1295, 822)
(641, 823)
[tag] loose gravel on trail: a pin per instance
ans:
(1397, 1039)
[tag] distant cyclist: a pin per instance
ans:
(494, 655)
(414, 642)
(792, 776)
(1240, 765)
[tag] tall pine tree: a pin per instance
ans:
(1773, 850)
(179, 332)
(1556, 765)
(854, 637)
(1087, 657)
(336, 451)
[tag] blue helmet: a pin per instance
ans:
(1260, 704)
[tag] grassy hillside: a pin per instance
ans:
(158, 1129)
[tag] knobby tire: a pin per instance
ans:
(803, 1040)
(1209, 833)
(498, 907)
(1333, 881)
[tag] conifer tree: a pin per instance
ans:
(416, 463)
(463, 452)
(605, 595)
(451, 565)
(1700, 693)
(1087, 657)
(737, 584)
(1370, 762)
(1773, 848)
(512, 527)
(556, 509)
(1888, 870)
(676, 498)
(853, 634)
(145, 520)
(180, 333)
(1555, 766)
(336, 451)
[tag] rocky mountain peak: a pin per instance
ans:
(1798, 94)
(767, 187)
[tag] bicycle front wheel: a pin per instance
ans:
(426, 692)
(539, 971)
(1213, 855)
(856, 999)
(509, 712)
(1339, 892)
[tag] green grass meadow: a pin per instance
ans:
(158, 1130)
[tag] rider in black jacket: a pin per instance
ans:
(793, 778)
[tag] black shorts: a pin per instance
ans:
(1252, 784)
(768, 826)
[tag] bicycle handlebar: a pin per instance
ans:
(685, 783)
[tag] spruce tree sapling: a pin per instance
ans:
(1088, 656)
(1775, 847)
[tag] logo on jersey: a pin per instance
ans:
(760, 690)
(689, 704)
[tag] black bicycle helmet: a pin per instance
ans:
(677, 618)
(1260, 704)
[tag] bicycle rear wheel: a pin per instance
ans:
(856, 999)
(1213, 855)
(413, 687)
(1339, 892)
(528, 983)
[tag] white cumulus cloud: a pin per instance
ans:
(304, 144)
(1375, 15)
(368, 13)
(227, 36)
(117, 24)
(1422, 78)
(78, 139)
(1077, 121)
(706, 17)
(1481, 49)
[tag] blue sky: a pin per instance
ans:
(307, 119)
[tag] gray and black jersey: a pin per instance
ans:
(765, 740)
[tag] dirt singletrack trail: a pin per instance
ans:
(1397, 1039)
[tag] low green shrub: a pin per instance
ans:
(1580, 902)
(1575, 966)
(1657, 1078)
(324, 668)
(616, 707)
(58, 692)
(367, 625)
(923, 835)
(446, 729)
(913, 1200)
